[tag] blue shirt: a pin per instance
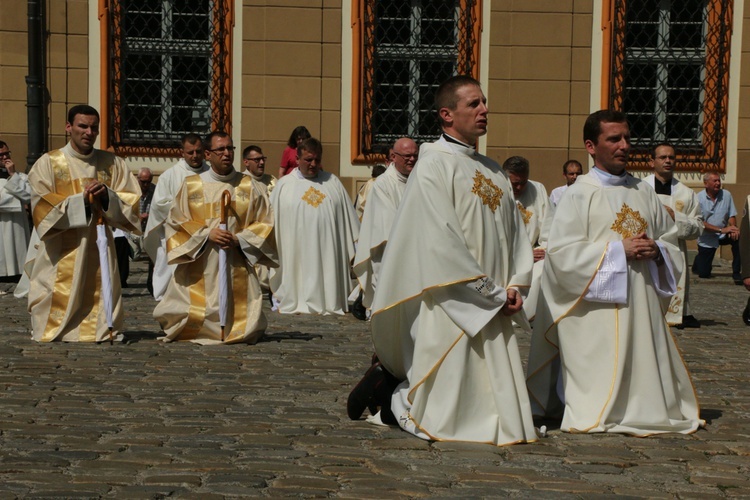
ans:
(716, 212)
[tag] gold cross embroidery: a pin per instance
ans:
(313, 197)
(487, 191)
(629, 222)
(526, 214)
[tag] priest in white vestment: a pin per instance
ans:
(448, 288)
(192, 163)
(254, 162)
(682, 204)
(15, 194)
(383, 201)
(532, 201)
(611, 268)
(316, 227)
(65, 295)
(571, 170)
(190, 308)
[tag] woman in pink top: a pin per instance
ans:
(289, 157)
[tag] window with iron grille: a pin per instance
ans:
(169, 69)
(409, 48)
(670, 75)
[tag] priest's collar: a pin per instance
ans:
(68, 149)
(202, 168)
(300, 176)
(458, 145)
(608, 179)
(219, 177)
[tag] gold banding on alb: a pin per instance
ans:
(525, 214)
(313, 197)
(90, 307)
(197, 206)
(63, 187)
(239, 299)
(487, 191)
(197, 309)
(629, 222)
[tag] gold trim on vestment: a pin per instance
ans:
(313, 197)
(434, 367)
(260, 229)
(443, 440)
(239, 297)
(629, 222)
(487, 191)
(61, 291)
(426, 290)
(525, 214)
(197, 309)
(90, 305)
(63, 188)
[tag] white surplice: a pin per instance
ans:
(604, 316)
(456, 245)
(15, 192)
(65, 299)
(316, 227)
(189, 309)
(689, 220)
(154, 240)
(382, 203)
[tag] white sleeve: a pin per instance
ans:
(610, 284)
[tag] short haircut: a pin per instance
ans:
(571, 162)
(593, 126)
(81, 109)
(146, 170)
(445, 96)
(251, 147)
(708, 175)
(298, 132)
(659, 145)
(516, 165)
(3, 144)
(191, 138)
(377, 170)
(215, 133)
(312, 145)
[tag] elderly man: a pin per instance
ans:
(316, 228)
(190, 309)
(15, 194)
(611, 268)
(70, 187)
(682, 205)
(571, 170)
(719, 227)
(192, 163)
(383, 201)
(442, 318)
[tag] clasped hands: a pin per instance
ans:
(223, 238)
(641, 247)
(98, 190)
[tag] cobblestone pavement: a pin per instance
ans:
(143, 419)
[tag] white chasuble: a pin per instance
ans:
(382, 203)
(621, 368)
(689, 220)
(154, 238)
(15, 192)
(456, 246)
(65, 281)
(189, 309)
(316, 227)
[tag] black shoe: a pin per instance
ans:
(363, 393)
(738, 282)
(689, 322)
(746, 313)
(358, 310)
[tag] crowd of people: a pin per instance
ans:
(451, 252)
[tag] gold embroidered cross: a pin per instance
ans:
(629, 222)
(487, 191)
(526, 214)
(313, 197)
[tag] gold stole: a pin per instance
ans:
(239, 269)
(88, 311)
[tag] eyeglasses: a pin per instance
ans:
(258, 159)
(406, 157)
(4, 154)
(229, 149)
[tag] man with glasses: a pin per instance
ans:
(255, 166)
(15, 195)
(192, 163)
(316, 227)
(190, 307)
(382, 204)
(65, 298)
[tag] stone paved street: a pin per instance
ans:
(144, 419)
